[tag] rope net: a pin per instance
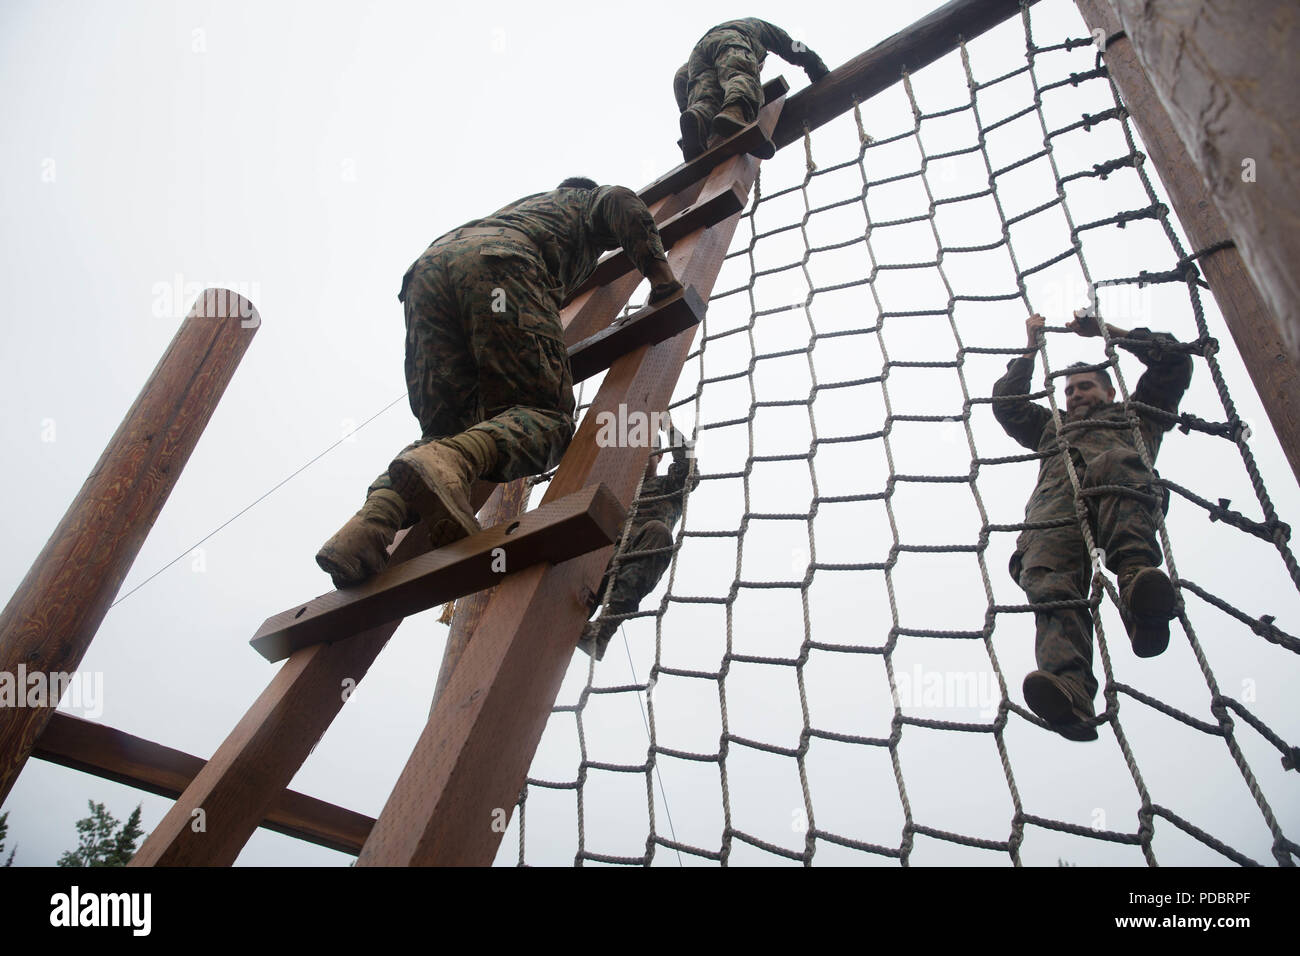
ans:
(830, 670)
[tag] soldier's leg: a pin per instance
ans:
(1055, 567)
(703, 100)
(635, 577)
(440, 387)
(1122, 504)
(522, 390)
(742, 94)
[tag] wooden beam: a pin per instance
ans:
(471, 760)
(124, 758)
(51, 619)
(933, 36)
(241, 781)
(751, 137)
(1253, 326)
(649, 326)
(1227, 75)
(585, 520)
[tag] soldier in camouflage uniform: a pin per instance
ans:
(1053, 564)
(656, 512)
(718, 88)
(487, 371)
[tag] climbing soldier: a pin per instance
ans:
(718, 88)
(649, 542)
(487, 372)
(1052, 564)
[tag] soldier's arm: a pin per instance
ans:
(792, 51)
(1021, 419)
(1168, 373)
(619, 213)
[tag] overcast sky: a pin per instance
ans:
(304, 154)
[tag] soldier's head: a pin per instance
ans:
(577, 182)
(1086, 390)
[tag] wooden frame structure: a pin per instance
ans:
(495, 692)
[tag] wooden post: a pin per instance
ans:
(1254, 328)
(53, 616)
(466, 771)
(1227, 75)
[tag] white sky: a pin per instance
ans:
(305, 154)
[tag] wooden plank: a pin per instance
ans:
(124, 758)
(747, 139)
(649, 326)
(1252, 324)
(714, 206)
(929, 38)
(587, 519)
(51, 619)
(468, 766)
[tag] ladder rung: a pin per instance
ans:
(576, 524)
(649, 326)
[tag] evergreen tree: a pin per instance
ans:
(103, 842)
(4, 831)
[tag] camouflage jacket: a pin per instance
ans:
(570, 228)
(764, 37)
(761, 37)
(1162, 385)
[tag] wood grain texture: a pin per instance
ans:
(115, 755)
(1254, 328)
(1227, 75)
(52, 618)
(648, 326)
(934, 35)
(587, 519)
(507, 502)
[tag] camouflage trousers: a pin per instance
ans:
(485, 350)
(636, 576)
(723, 72)
(1054, 564)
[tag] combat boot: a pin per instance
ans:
(695, 134)
(1147, 605)
(1055, 700)
(360, 548)
(595, 638)
(435, 480)
(729, 121)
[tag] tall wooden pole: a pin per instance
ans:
(51, 619)
(1226, 72)
(508, 501)
(1254, 327)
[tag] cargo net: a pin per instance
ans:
(830, 670)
